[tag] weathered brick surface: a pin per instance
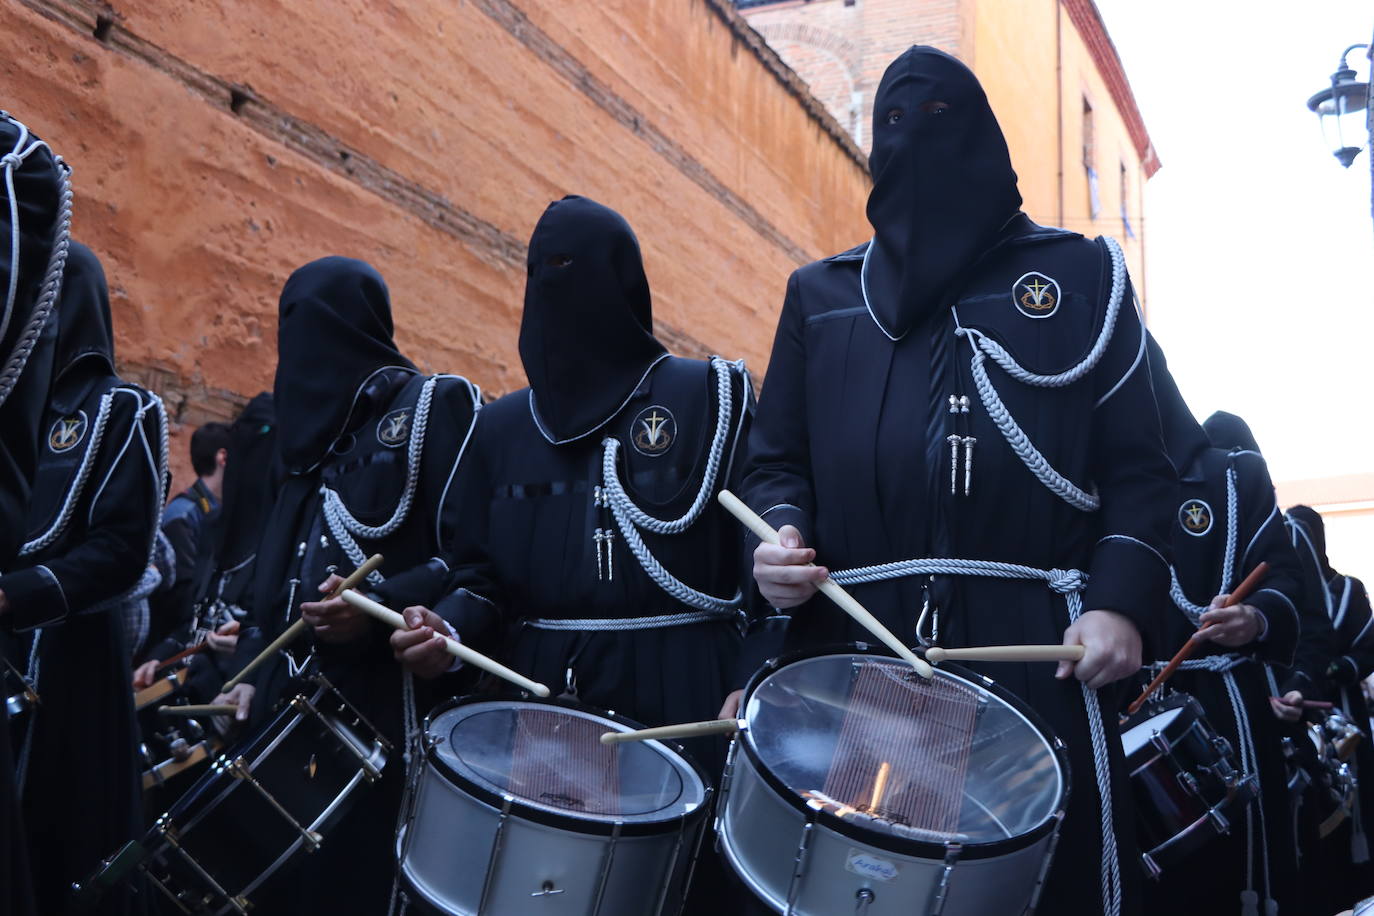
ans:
(219, 145)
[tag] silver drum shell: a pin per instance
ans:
(783, 855)
(458, 849)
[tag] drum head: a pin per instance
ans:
(550, 758)
(864, 738)
(1139, 735)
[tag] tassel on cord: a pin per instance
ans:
(1249, 903)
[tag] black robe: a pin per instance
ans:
(528, 551)
(1213, 879)
(81, 792)
(37, 188)
(350, 429)
(850, 445)
(1335, 654)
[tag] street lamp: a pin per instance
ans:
(1341, 111)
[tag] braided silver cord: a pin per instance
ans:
(1020, 443)
(629, 517)
(57, 260)
(615, 490)
(1069, 376)
(665, 580)
(1228, 563)
(82, 476)
(346, 528)
(1061, 581)
(984, 346)
(161, 477)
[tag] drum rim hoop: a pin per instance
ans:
(907, 846)
(548, 818)
(1192, 712)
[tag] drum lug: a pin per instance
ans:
(1223, 747)
(799, 865)
(1218, 820)
(1160, 743)
(1152, 868)
(497, 842)
(865, 897)
(1188, 782)
(952, 853)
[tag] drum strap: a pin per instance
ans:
(1069, 583)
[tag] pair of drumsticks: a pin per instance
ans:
(345, 590)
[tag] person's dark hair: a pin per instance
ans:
(205, 444)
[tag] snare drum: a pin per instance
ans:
(262, 803)
(856, 786)
(1185, 786)
(520, 810)
(1334, 786)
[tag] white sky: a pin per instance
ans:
(1259, 246)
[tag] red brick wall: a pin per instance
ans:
(218, 145)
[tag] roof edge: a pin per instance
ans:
(748, 36)
(1088, 20)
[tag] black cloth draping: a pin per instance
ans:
(37, 185)
(943, 185)
(850, 444)
(81, 805)
(587, 334)
(1226, 503)
(361, 453)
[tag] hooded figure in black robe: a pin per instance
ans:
(547, 571)
(89, 534)
(1330, 666)
(1226, 524)
(29, 283)
(372, 450)
(882, 435)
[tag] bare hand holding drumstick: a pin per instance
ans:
(1233, 627)
(784, 572)
(334, 620)
(420, 649)
(1111, 648)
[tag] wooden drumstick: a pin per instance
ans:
(1240, 593)
(684, 730)
(212, 709)
(936, 654)
(832, 590)
(290, 634)
(455, 648)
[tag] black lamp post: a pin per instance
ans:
(1341, 110)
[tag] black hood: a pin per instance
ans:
(1228, 431)
(251, 476)
(37, 184)
(587, 336)
(334, 332)
(85, 331)
(1315, 529)
(1184, 438)
(943, 186)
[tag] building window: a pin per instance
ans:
(1094, 198)
(1125, 207)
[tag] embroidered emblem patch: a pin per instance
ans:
(1196, 517)
(394, 429)
(1036, 295)
(67, 433)
(653, 431)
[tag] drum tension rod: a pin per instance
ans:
(239, 769)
